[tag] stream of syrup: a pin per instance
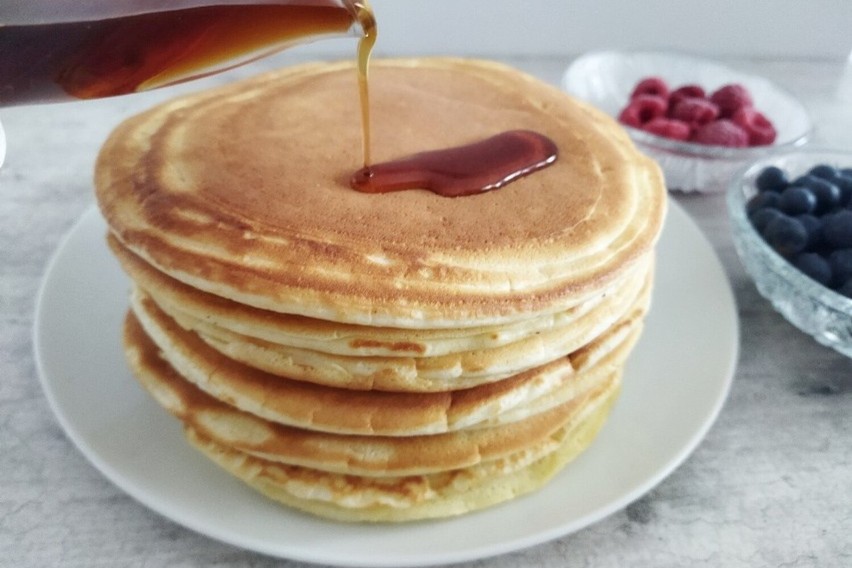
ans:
(365, 48)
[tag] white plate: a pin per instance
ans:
(674, 386)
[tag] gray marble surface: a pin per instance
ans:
(771, 485)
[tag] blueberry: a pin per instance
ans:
(841, 265)
(813, 225)
(771, 178)
(808, 181)
(786, 235)
(813, 265)
(845, 172)
(767, 200)
(827, 195)
(844, 184)
(797, 200)
(762, 217)
(837, 229)
(823, 171)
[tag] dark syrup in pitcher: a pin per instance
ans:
(124, 47)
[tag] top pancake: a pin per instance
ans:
(243, 192)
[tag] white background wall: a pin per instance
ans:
(790, 28)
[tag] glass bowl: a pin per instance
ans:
(813, 308)
(606, 79)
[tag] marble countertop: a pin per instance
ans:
(771, 485)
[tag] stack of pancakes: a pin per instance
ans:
(380, 357)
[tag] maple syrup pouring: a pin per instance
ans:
(365, 47)
(464, 170)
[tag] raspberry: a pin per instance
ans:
(761, 131)
(651, 86)
(722, 132)
(685, 92)
(642, 109)
(695, 111)
(668, 127)
(731, 98)
(688, 106)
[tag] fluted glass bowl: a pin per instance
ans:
(813, 308)
(606, 79)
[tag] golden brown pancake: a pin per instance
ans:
(336, 410)
(183, 302)
(233, 190)
(372, 456)
(365, 499)
(430, 374)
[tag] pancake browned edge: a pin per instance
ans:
(383, 357)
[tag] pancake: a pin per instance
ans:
(428, 374)
(342, 411)
(188, 304)
(603, 357)
(172, 184)
(371, 456)
(362, 499)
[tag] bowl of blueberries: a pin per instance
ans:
(700, 120)
(791, 216)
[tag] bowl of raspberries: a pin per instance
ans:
(702, 121)
(791, 216)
